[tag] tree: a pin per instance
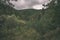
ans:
(18, 24)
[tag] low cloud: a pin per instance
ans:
(29, 4)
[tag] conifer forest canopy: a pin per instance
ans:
(29, 19)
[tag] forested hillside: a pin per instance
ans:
(30, 24)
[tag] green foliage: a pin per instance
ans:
(14, 28)
(30, 24)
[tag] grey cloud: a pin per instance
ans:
(29, 4)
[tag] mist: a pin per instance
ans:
(30, 4)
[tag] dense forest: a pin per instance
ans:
(30, 24)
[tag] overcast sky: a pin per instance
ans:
(29, 4)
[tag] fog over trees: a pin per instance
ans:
(28, 4)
